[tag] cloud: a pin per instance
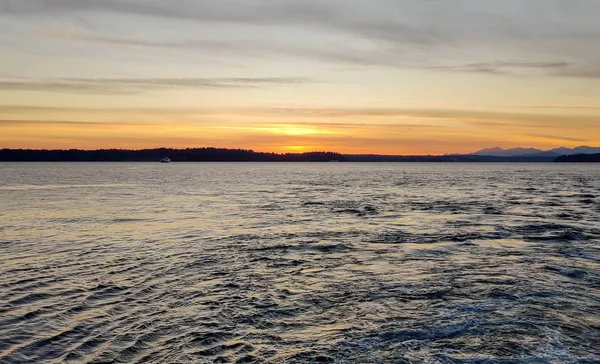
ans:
(137, 85)
(588, 71)
(507, 68)
(410, 117)
(133, 41)
(353, 125)
(550, 37)
(558, 138)
(21, 123)
(233, 11)
(473, 117)
(558, 106)
(383, 56)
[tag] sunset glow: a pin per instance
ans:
(378, 85)
(299, 181)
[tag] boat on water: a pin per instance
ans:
(165, 160)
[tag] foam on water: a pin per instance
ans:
(432, 263)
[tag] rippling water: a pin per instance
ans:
(449, 263)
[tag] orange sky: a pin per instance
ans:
(385, 131)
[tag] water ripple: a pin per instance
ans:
(307, 263)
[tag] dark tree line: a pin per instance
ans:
(446, 158)
(245, 155)
(581, 158)
(154, 155)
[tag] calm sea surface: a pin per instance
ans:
(299, 262)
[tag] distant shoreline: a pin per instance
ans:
(155, 155)
(243, 155)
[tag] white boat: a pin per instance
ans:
(165, 160)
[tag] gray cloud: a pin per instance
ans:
(136, 85)
(413, 21)
(354, 56)
(199, 44)
(507, 68)
(556, 137)
(587, 71)
(380, 57)
(512, 37)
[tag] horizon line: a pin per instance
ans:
(283, 153)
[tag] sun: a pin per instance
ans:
(296, 148)
(296, 131)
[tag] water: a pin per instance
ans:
(367, 263)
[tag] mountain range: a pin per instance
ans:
(532, 152)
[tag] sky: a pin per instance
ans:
(352, 76)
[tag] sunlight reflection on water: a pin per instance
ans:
(299, 262)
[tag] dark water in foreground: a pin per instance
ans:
(367, 263)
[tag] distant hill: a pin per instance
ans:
(584, 149)
(532, 152)
(579, 158)
(500, 152)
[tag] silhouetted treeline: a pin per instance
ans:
(579, 158)
(245, 155)
(154, 155)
